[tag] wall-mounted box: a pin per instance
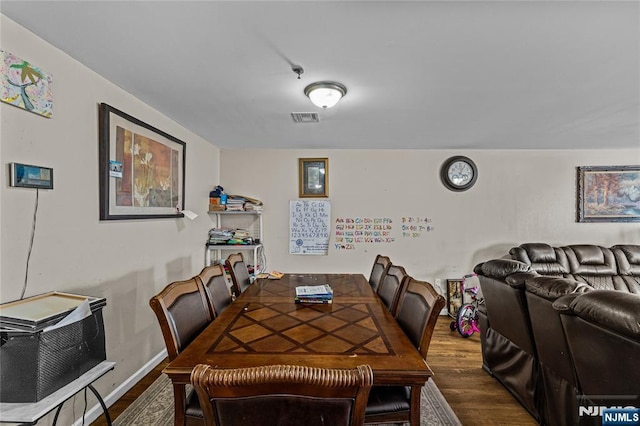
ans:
(34, 362)
(29, 176)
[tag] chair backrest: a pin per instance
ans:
(380, 267)
(419, 306)
(391, 286)
(183, 312)
(282, 395)
(239, 273)
(214, 281)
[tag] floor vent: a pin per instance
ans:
(305, 117)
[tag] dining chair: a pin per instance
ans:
(214, 281)
(283, 395)
(380, 267)
(183, 311)
(419, 305)
(391, 286)
(239, 273)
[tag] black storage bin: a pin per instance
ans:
(33, 363)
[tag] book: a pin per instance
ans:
(314, 301)
(314, 294)
(314, 290)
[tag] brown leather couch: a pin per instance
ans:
(524, 343)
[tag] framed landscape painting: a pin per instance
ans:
(142, 169)
(608, 194)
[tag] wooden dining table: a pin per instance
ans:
(265, 326)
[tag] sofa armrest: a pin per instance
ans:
(612, 309)
(500, 268)
(551, 288)
(563, 303)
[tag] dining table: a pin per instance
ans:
(265, 326)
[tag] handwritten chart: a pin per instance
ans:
(415, 227)
(309, 226)
(357, 230)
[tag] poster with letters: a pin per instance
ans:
(309, 227)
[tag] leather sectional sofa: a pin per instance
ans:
(551, 319)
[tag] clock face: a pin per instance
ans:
(459, 173)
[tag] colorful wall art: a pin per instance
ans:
(25, 85)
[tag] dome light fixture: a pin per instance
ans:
(325, 94)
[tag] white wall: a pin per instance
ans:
(125, 261)
(520, 196)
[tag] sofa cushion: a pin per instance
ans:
(590, 260)
(628, 259)
(542, 258)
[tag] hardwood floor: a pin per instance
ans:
(476, 397)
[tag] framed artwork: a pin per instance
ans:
(608, 194)
(314, 177)
(454, 296)
(142, 169)
(25, 85)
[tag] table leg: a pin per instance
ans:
(100, 400)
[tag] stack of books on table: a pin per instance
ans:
(322, 294)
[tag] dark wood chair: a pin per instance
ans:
(214, 281)
(419, 305)
(380, 268)
(239, 273)
(282, 395)
(183, 311)
(391, 286)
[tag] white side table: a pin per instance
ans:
(31, 412)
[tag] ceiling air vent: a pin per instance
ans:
(305, 117)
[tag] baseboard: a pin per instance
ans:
(96, 411)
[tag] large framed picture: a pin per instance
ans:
(142, 169)
(608, 194)
(314, 177)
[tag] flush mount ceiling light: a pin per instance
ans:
(325, 94)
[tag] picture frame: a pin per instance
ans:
(454, 296)
(150, 180)
(313, 177)
(608, 194)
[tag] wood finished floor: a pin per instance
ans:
(476, 397)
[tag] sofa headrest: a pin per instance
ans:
(612, 309)
(551, 288)
(628, 259)
(535, 252)
(542, 258)
(589, 259)
(500, 268)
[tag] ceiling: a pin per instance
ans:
(420, 74)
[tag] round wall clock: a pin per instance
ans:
(459, 173)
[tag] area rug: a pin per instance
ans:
(155, 407)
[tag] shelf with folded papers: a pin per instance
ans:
(251, 221)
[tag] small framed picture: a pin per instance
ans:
(314, 177)
(454, 296)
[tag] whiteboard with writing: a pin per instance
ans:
(309, 226)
